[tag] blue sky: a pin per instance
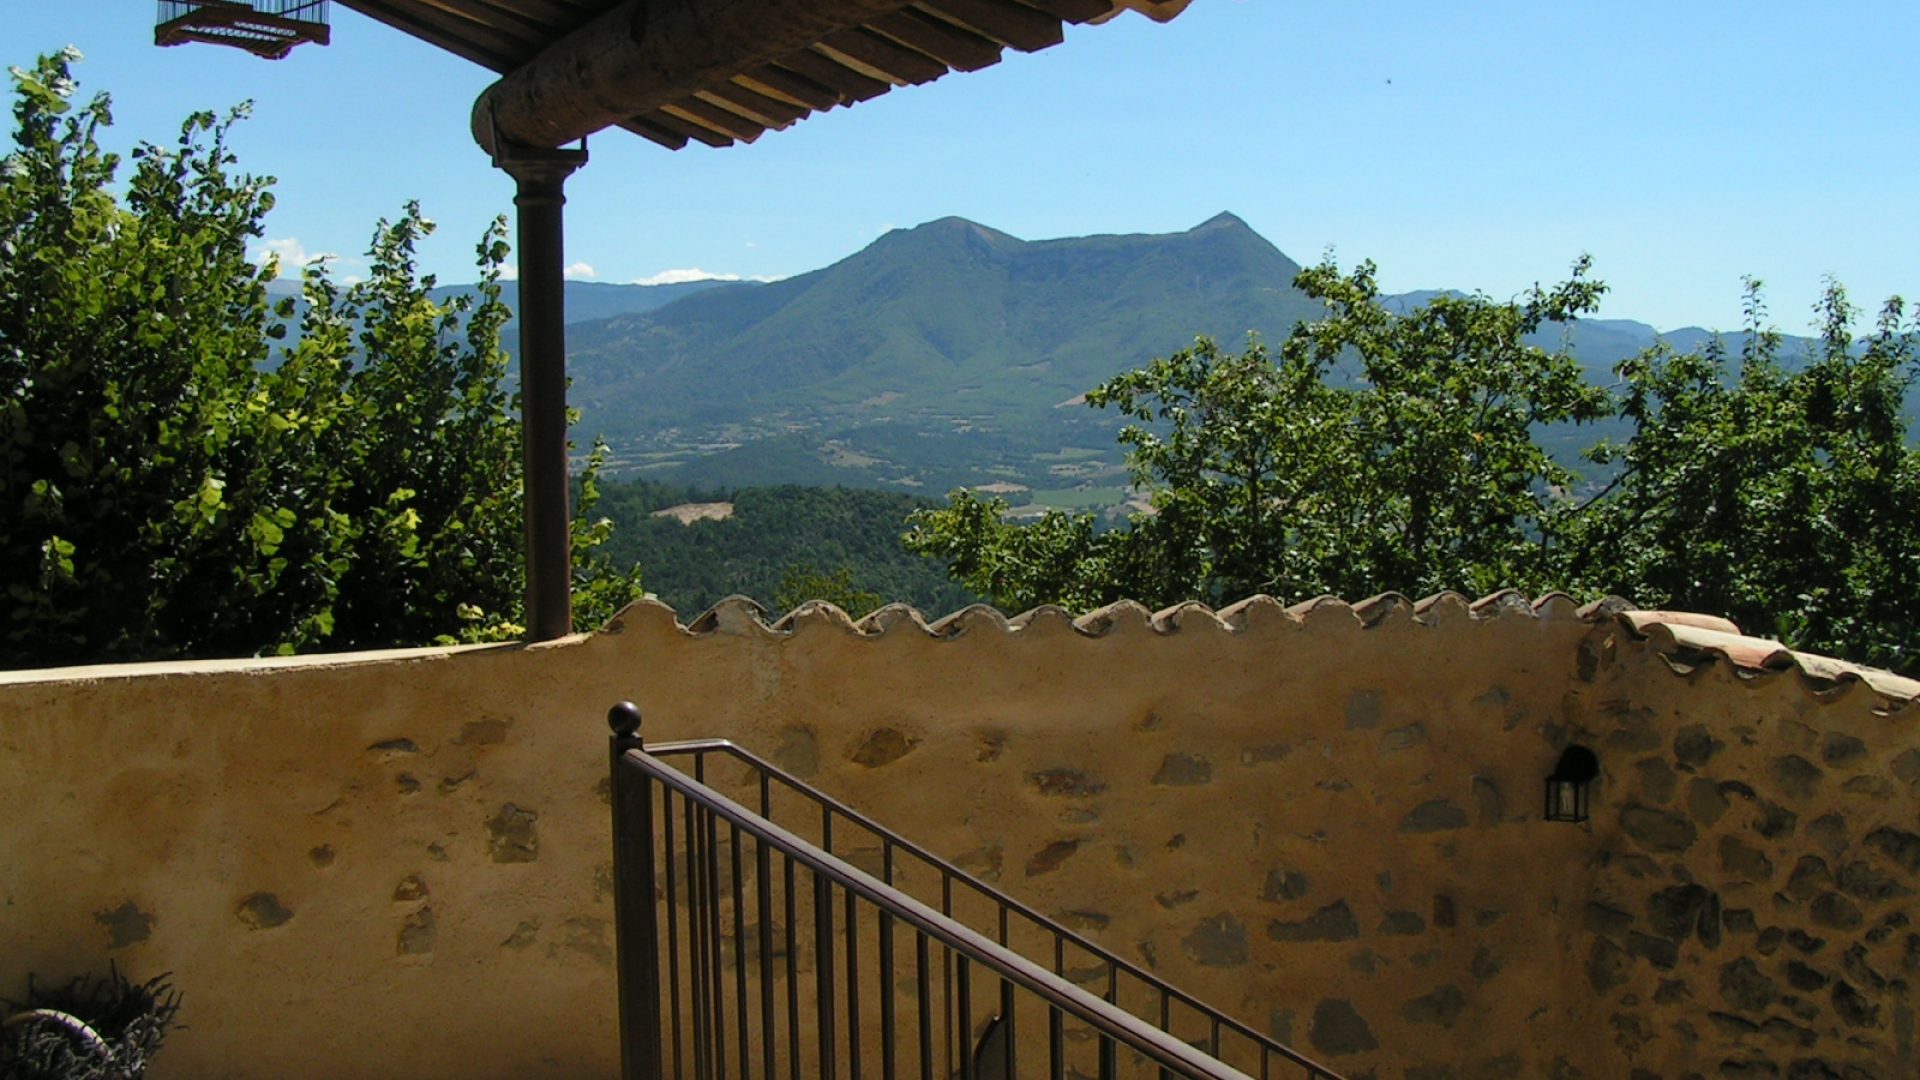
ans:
(1470, 146)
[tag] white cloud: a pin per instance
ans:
(579, 272)
(291, 253)
(681, 277)
(509, 271)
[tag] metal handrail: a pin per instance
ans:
(1168, 993)
(1108, 1019)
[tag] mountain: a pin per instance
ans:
(949, 323)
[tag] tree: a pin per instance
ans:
(173, 483)
(1787, 499)
(1387, 451)
(1378, 450)
(802, 583)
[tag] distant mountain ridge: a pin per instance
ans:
(942, 354)
(950, 320)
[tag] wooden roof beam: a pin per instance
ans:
(646, 54)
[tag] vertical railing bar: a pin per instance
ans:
(946, 971)
(1006, 1018)
(1056, 1048)
(853, 989)
(925, 1004)
(793, 977)
(823, 969)
(1166, 1025)
(1265, 1056)
(1214, 1043)
(673, 930)
(717, 985)
(696, 942)
(886, 970)
(964, 967)
(740, 957)
(763, 894)
(1108, 1062)
(704, 992)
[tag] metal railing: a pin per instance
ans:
(721, 911)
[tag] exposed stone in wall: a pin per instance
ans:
(263, 911)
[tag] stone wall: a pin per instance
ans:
(1752, 905)
(1323, 819)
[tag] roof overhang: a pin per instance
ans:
(716, 71)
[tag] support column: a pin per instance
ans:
(540, 178)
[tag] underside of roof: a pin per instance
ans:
(717, 71)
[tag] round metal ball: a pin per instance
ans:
(624, 719)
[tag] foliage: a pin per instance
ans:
(175, 485)
(1383, 451)
(803, 583)
(89, 1029)
(1788, 500)
(771, 532)
(1374, 448)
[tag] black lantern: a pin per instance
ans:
(1570, 784)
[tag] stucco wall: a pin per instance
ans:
(1324, 820)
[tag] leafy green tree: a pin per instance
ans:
(1388, 451)
(1785, 498)
(175, 485)
(803, 583)
(1377, 450)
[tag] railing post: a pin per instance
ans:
(635, 908)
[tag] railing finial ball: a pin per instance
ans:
(624, 719)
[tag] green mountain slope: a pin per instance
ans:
(948, 322)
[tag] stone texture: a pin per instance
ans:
(1836, 912)
(1283, 884)
(1775, 821)
(1745, 988)
(1403, 738)
(1440, 1008)
(1437, 815)
(1049, 858)
(1218, 942)
(1744, 861)
(1338, 1029)
(511, 837)
(1694, 745)
(1071, 783)
(1402, 922)
(1705, 802)
(1657, 830)
(1897, 844)
(1335, 922)
(1830, 832)
(1486, 801)
(126, 925)
(882, 746)
(417, 933)
(263, 911)
(1183, 770)
(1657, 779)
(1363, 710)
(1840, 750)
(1796, 776)
(1810, 878)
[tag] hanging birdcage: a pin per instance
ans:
(269, 28)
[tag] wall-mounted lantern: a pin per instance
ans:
(1570, 784)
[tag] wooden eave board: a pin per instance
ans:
(921, 42)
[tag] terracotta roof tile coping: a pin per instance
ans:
(1685, 638)
(1689, 637)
